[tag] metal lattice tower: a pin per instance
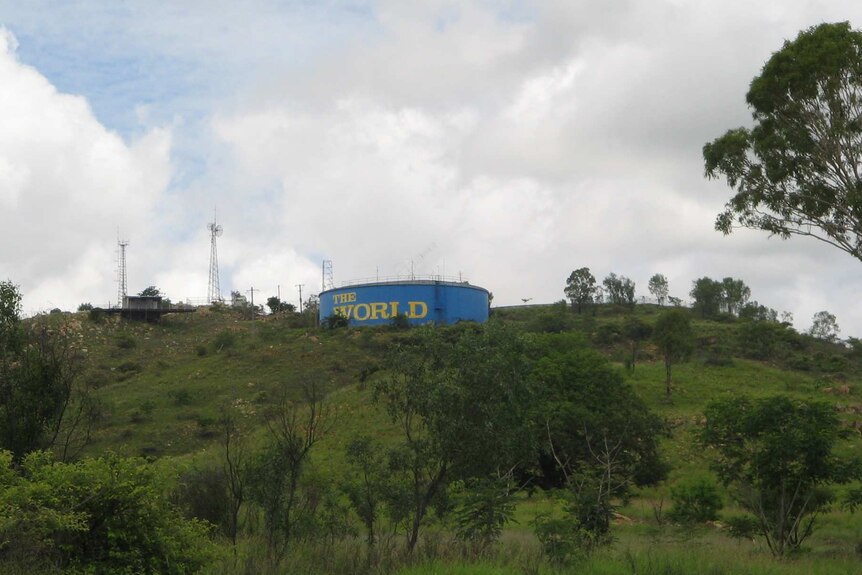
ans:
(326, 273)
(213, 290)
(122, 279)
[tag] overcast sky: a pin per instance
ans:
(508, 143)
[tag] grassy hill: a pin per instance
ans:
(162, 388)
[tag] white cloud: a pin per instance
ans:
(578, 144)
(512, 142)
(67, 184)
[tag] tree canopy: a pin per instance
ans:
(151, 291)
(797, 171)
(581, 287)
(824, 326)
(779, 454)
(707, 295)
(658, 287)
(620, 290)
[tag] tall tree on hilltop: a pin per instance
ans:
(581, 288)
(620, 290)
(734, 294)
(658, 287)
(707, 296)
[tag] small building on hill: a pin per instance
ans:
(147, 308)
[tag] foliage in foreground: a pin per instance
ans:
(779, 456)
(43, 402)
(107, 515)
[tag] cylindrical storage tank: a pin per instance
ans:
(421, 301)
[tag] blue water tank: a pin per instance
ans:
(421, 301)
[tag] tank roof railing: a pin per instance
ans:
(402, 279)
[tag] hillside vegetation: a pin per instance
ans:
(177, 393)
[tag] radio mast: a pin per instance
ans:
(121, 269)
(213, 289)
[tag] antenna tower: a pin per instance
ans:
(213, 290)
(121, 270)
(327, 281)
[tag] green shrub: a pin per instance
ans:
(400, 321)
(224, 340)
(608, 334)
(564, 540)
(143, 413)
(830, 363)
(334, 321)
(695, 500)
(126, 341)
(129, 367)
(742, 527)
(800, 362)
(105, 515)
(181, 396)
(554, 321)
(202, 493)
(484, 508)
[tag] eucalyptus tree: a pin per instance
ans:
(658, 287)
(798, 170)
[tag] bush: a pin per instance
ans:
(400, 321)
(129, 367)
(203, 494)
(484, 509)
(96, 315)
(558, 538)
(563, 539)
(800, 362)
(742, 527)
(105, 515)
(143, 413)
(126, 341)
(695, 500)
(334, 321)
(554, 321)
(831, 363)
(224, 340)
(608, 334)
(181, 397)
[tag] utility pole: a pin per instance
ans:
(300, 296)
(252, 303)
